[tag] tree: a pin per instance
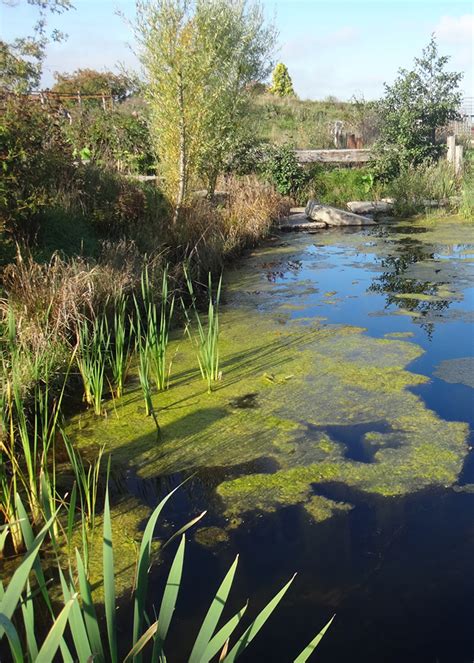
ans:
(90, 82)
(282, 85)
(21, 61)
(200, 57)
(418, 103)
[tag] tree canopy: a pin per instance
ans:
(419, 102)
(92, 82)
(200, 57)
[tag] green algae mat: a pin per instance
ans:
(312, 402)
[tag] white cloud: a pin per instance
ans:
(455, 28)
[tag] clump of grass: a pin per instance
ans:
(208, 333)
(93, 346)
(143, 353)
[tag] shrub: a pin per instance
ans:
(415, 188)
(36, 159)
(281, 167)
(337, 186)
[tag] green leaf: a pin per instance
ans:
(143, 569)
(213, 615)
(109, 580)
(170, 594)
(221, 637)
(309, 649)
(28, 612)
(13, 639)
(90, 616)
(139, 645)
(54, 637)
(243, 642)
(76, 622)
(17, 583)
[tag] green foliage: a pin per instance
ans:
(337, 186)
(21, 60)
(282, 85)
(414, 188)
(88, 640)
(35, 159)
(281, 167)
(418, 103)
(199, 59)
(117, 138)
(208, 334)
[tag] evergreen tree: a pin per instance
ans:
(282, 85)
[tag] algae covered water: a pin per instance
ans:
(337, 445)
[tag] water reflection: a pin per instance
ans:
(419, 297)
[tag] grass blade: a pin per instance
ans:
(309, 649)
(17, 583)
(213, 615)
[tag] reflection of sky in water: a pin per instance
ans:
(355, 281)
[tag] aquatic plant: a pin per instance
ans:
(158, 327)
(93, 345)
(119, 356)
(29, 425)
(143, 352)
(208, 333)
(87, 640)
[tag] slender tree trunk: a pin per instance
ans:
(211, 184)
(182, 152)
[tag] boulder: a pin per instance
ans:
(370, 207)
(298, 221)
(333, 216)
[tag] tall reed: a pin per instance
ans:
(93, 347)
(208, 333)
(158, 327)
(120, 355)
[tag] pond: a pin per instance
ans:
(337, 445)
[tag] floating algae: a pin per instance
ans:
(307, 379)
(457, 371)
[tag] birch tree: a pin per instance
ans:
(200, 57)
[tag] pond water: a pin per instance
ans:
(337, 445)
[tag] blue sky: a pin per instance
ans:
(336, 47)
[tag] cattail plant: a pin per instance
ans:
(208, 334)
(157, 327)
(93, 346)
(119, 356)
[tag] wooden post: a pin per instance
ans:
(79, 97)
(458, 159)
(451, 142)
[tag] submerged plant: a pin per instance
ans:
(208, 334)
(88, 642)
(93, 345)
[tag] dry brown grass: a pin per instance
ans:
(241, 216)
(47, 300)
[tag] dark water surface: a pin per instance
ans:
(398, 572)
